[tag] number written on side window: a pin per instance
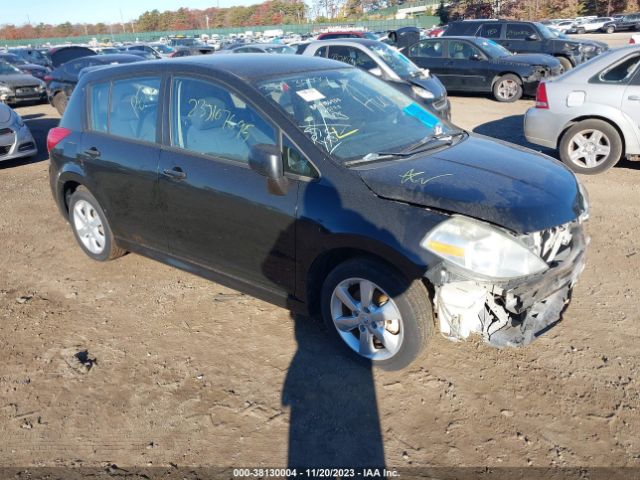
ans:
(206, 118)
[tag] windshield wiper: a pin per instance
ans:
(427, 143)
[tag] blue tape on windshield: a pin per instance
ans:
(422, 115)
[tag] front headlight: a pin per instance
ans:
(482, 249)
(584, 216)
(4, 89)
(422, 92)
(16, 121)
(587, 48)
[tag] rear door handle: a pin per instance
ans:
(92, 152)
(634, 98)
(175, 173)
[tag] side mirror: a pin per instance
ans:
(266, 160)
(476, 56)
(533, 37)
(377, 71)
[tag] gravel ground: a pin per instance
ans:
(182, 371)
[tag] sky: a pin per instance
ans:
(91, 11)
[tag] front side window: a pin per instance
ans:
(321, 52)
(427, 48)
(516, 31)
(400, 64)
(460, 50)
(207, 118)
(126, 108)
(349, 113)
(352, 56)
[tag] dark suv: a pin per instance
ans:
(528, 37)
(319, 187)
(627, 22)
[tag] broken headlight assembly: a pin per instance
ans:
(482, 249)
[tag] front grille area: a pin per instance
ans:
(26, 146)
(4, 149)
(28, 91)
(440, 104)
(555, 244)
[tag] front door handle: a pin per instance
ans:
(634, 98)
(92, 152)
(175, 173)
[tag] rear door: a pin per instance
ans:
(431, 54)
(120, 155)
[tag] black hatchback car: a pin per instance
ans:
(471, 64)
(316, 186)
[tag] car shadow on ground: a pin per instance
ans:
(39, 127)
(511, 129)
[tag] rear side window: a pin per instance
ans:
(126, 108)
(491, 30)
(207, 118)
(519, 31)
(321, 52)
(352, 56)
(622, 72)
(427, 48)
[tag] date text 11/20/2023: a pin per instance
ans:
(315, 473)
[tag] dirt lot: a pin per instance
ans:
(188, 372)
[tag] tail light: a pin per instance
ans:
(632, 40)
(541, 96)
(48, 78)
(55, 136)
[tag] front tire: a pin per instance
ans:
(375, 311)
(91, 228)
(610, 29)
(507, 88)
(566, 63)
(591, 147)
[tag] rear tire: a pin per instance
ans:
(610, 29)
(591, 147)
(388, 326)
(60, 101)
(581, 31)
(91, 228)
(507, 88)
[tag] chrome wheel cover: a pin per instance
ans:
(88, 227)
(507, 89)
(589, 148)
(367, 319)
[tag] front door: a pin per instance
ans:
(467, 66)
(519, 38)
(219, 213)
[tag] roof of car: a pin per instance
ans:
(114, 57)
(361, 41)
(265, 45)
(249, 66)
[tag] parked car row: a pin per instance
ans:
(614, 23)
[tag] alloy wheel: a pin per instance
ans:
(88, 226)
(507, 89)
(367, 319)
(589, 148)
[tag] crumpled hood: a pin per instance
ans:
(483, 178)
(531, 59)
(19, 80)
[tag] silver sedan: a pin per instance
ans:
(15, 138)
(591, 114)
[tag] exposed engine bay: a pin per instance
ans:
(512, 312)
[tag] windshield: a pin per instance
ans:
(544, 31)
(6, 69)
(282, 49)
(493, 49)
(350, 113)
(396, 61)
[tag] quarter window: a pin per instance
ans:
(519, 31)
(126, 108)
(207, 118)
(295, 162)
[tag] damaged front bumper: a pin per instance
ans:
(511, 312)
